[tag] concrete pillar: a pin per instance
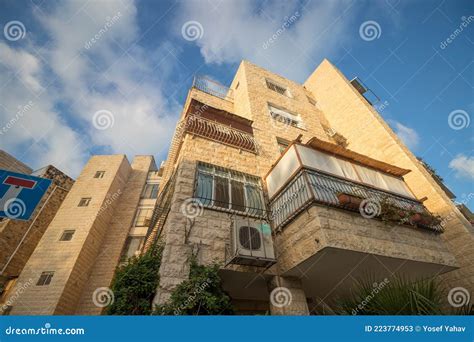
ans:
(287, 297)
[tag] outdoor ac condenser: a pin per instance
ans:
(252, 242)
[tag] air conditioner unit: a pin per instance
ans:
(252, 243)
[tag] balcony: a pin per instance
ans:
(214, 88)
(329, 179)
(218, 125)
(316, 187)
(338, 215)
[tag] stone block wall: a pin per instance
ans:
(351, 115)
(72, 260)
(105, 263)
(18, 239)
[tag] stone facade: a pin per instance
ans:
(340, 233)
(351, 115)
(18, 239)
(25, 235)
(88, 260)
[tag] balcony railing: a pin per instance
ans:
(310, 186)
(221, 133)
(213, 88)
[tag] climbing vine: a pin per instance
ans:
(201, 294)
(135, 283)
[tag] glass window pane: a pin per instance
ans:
(254, 200)
(143, 217)
(150, 191)
(238, 196)
(204, 188)
(221, 192)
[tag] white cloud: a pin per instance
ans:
(31, 128)
(235, 30)
(114, 74)
(463, 166)
(408, 135)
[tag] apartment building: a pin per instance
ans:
(300, 188)
(102, 221)
(18, 239)
(290, 186)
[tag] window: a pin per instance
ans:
(228, 189)
(84, 202)
(282, 144)
(150, 191)
(133, 246)
(99, 174)
(67, 235)
(286, 117)
(311, 100)
(45, 278)
(143, 217)
(278, 88)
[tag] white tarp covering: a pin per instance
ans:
(282, 171)
(337, 166)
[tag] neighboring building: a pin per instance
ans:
(18, 239)
(269, 151)
(267, 177)
(103, 216)
(10, 163)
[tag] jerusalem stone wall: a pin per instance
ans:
(12, 232)
(72, 261)
(351, 115)
(105, 264)
(319, 227)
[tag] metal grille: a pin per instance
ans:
(221, 133)
(213, 88)
(310, 186)
(229, 190)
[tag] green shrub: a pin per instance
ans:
(398, 296)
(135, 283)
(201, 294)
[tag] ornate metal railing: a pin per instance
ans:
(310, 186)
(219, 132)
(213, 88)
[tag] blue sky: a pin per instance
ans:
(64, 96)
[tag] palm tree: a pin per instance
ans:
(397, 296)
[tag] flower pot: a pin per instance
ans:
(421, 219)
(349, 201)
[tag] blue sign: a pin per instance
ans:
(20, 194)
